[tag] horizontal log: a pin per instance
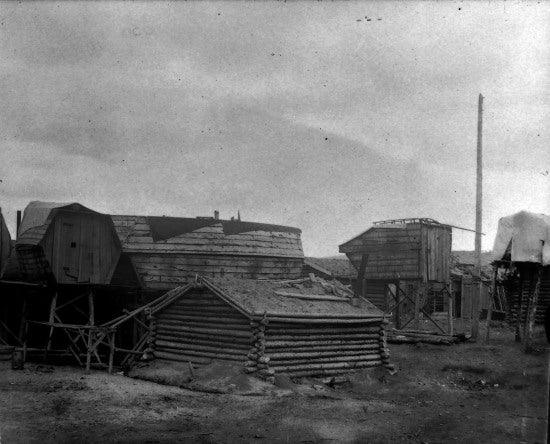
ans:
(321, 349)
(349, 359)
(367, 339)
(315, 354)
(165, 321)
(328, 366)
(359, 317)
(204, 338)
(320, 373)
(161, 343)
(213, 331)
(203, 319)
(187, 352)
(329, 330)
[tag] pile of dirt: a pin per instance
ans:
(216, 377)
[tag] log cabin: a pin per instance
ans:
(167, 252)
(295, 327)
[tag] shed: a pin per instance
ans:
(287, 327)
(168, 251)
(416, 251)
(66, 244)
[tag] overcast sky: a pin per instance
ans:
(324, 116)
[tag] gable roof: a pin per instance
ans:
(287, 300)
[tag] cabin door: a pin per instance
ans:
(67, 248)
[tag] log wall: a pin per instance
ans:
(200, 327)
(323, 349)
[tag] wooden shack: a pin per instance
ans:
(290, 327)
(412, 250)
(66, 244)
(168, 251)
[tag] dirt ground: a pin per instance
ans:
(465, 393)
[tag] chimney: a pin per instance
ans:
(216, 214)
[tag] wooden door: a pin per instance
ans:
(66, 248)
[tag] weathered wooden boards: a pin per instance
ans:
(208, 251)
(412, 251)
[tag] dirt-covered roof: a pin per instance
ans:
(292, 297)
(337, 266)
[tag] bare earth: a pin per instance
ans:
(462, 393)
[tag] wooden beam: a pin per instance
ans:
(532, 312)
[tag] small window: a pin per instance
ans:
(73, 244)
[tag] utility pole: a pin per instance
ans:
(479, 195)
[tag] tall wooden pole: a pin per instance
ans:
(479, 195)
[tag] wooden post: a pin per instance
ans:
(360, 288)
(397, 300)
(520, 303)
(111, 351)
(89, 350)
(450, 301)
(491, 301)
(91, 317)
(51, 320)
(417, 307)
(479, 198)
(532, 312)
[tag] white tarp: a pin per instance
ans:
(36, 214)
(529, 234)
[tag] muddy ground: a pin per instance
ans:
(462, 393)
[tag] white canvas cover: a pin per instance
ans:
(36, 214)
(529, 235)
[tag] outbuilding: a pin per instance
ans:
(297, 327)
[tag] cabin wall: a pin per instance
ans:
(324, 348)
(207, 251)
(199, 327)
(391, 252)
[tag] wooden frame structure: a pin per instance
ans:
(413, 253)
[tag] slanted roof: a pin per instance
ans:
(525, 236)
(37, 217)
(335, 266)
(291, 299)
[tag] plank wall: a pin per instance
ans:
(207, 252)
